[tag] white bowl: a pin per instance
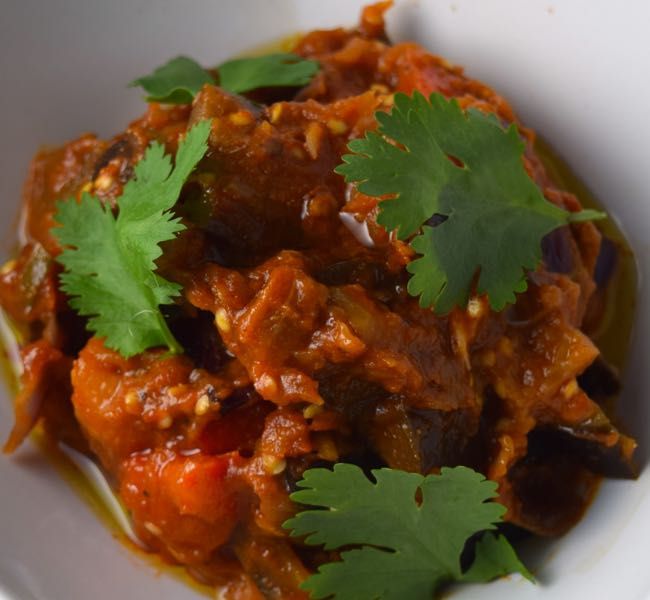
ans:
(576, 71)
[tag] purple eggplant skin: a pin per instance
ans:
(606, 262)
(610, 462)
(557, 250)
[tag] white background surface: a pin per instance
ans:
(576, 70)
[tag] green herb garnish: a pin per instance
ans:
(180, 79)
(110, 261)
(175, 82)
(458, 181)
(272, 70)
(410, 531)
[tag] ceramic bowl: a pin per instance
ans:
(575, 71)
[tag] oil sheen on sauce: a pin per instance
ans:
(612, 337)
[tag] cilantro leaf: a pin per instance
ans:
(110, 261)
(437, 160)
(494, 557)
(180, 79)
(271, 70)
(411, 531)
(175, 82)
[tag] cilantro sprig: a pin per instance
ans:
(109, 261)
(409, 531)
(181, 78)
(175, 82)
(282, 69)
(458, 183)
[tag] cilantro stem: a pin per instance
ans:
(168, 337)
(110, 262)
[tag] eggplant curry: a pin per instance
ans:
(299, 344)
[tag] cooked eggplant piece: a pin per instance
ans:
(586, 443)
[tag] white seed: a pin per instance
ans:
(311, 411)
(222, 320)
(337, 127)
(202, 405)
(132, 399)
(165, 422)
(8, 267)
(570, 389)
(274, 465)
(276, 112)
(103, 182)
(313, 137)
(327, 449)
(152, 529)
(175, 391)
(241, 117)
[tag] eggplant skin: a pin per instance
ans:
(600, 381)
(610, 461)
